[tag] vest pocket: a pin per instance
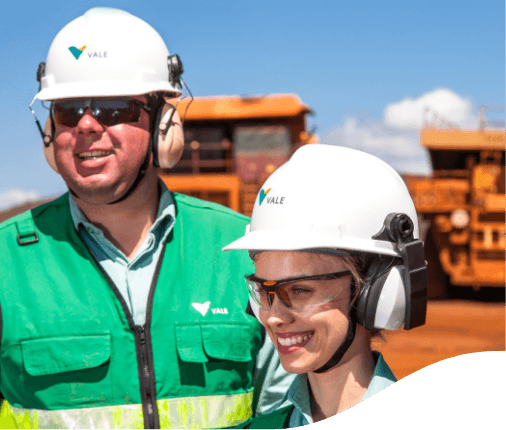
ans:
(198, 342)
(63, 371)
(217, 357)
(227, 341)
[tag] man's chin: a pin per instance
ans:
(96, 195)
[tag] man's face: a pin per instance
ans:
(100, 162)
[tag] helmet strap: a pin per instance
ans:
(155, 105)
(350, 337)
(140, 175)
(338, 355)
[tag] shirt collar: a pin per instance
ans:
(298, 393)
(166, 210)
(381, 378)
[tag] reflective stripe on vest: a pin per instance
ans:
(186, 412)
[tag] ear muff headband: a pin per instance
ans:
(47, 139)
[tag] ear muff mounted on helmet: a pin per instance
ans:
(394, 292)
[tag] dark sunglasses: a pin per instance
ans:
(106, 112)
(263, 291)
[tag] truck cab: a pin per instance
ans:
(464, 201)
(233, 143)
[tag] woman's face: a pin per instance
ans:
(305, 339)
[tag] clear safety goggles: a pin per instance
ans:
(106, 112)
(295, 293)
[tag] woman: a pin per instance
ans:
(333, 235)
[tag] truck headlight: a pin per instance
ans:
(459, 218)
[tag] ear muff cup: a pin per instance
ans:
(48, 147)
(381, 301)
(168, 139)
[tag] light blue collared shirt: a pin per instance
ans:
(298, 393)
(133, 278)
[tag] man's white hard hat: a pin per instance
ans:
(106, 52)
(327, 196)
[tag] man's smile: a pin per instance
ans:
(92, 155)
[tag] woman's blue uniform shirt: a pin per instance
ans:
(298, 393)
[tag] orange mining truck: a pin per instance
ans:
(232, 144)
(464, 201)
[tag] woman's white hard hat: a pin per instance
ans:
(327, 196)
(106, 52)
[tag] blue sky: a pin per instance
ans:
(356, 64)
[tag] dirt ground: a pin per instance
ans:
(453, 327)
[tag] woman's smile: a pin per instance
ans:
(288, 342)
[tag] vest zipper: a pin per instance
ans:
(143, 345)
(148, 400)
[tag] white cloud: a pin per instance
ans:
(440, 106)
(399, 148)
(14, 197)
(396, 139)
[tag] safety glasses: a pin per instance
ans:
(294, 293)
(106, 112)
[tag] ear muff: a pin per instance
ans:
(391, 302)
(381, 303)
(168, 138)
(48, 144)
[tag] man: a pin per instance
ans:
(118, 308)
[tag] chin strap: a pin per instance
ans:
(155, 104)
(140, 175)
(350, 337)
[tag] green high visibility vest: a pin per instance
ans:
(70, 354)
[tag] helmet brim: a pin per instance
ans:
(112, 89)
(271, 240)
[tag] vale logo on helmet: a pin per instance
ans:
(271, 200)
(77, 52)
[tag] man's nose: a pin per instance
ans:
(88, 124)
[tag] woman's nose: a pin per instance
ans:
(278, 313)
